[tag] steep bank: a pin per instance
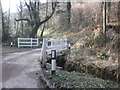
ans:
(90, 53)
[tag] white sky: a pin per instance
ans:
(13, 4)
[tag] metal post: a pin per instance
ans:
(11, 44)
(69, 45)
(53, 62)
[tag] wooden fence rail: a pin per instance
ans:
(52, 46)
(27, 42)
(56, 44)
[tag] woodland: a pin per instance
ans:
(92, 28)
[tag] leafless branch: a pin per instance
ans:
(48, 17)
(23, 19)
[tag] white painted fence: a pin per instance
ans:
(56, 44)
(27, 42)
(50, 45)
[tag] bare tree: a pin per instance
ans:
(0, 21)
(104, 17)
(44, 23)
(68, 13)
(6, 26)
(34, 19)
(21, 15)
(8, 18)
(119, 13)
(108, 11)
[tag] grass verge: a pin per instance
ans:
(70, 80)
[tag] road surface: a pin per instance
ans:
(21, 70)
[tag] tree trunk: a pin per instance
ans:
(34, 18)
(42, 30)
(1, 29)
(108, 12)
(44, 23)
(101, 14)
(17, 29)
(34, 31)
(21, 15)
(68, 13)
(104, 18)
(119, 13)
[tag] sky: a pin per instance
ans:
(13, 5)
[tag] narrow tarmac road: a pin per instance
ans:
(21, 70)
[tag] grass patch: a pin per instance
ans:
(64, 79)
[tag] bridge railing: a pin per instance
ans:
(27, 42)
(56, 44)
(52, 46)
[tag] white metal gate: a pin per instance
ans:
(27, 42)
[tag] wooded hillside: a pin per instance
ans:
(92, 28)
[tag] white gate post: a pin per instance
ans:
(18, 42)
(66, 44)
(37, 42)
(31, 42)
(53, 62)
(43, 53)
(51, 42)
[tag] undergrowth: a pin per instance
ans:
(91, 53)
(64, 79)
